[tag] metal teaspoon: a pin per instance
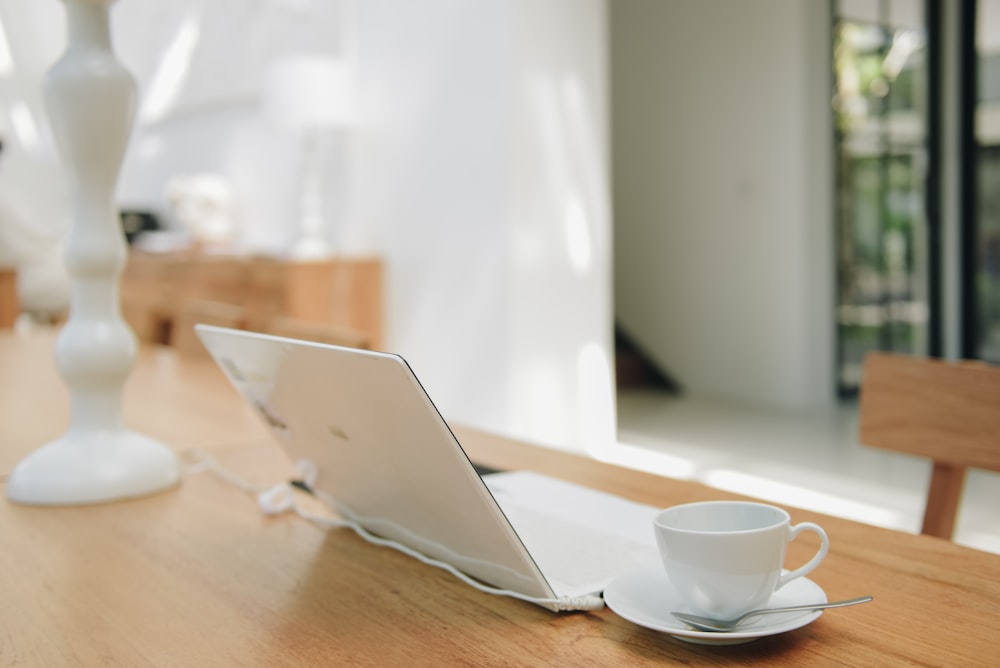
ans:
(720, 625)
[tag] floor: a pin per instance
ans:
(811, 461)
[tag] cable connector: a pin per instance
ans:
(580, 603)
(278, 499)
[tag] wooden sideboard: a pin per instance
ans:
(8, 297)
(344, 292)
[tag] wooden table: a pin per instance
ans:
(197, 576)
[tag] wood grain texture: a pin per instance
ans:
(345, 292)
(946, 411)
(944, 497)
(9, 305)
(198, 576)
(192, 312)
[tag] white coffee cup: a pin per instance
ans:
(725, 558)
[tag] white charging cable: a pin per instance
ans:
(278, 499)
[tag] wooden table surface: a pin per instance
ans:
(197, 576)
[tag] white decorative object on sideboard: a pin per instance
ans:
(310, 96)
(91, 102)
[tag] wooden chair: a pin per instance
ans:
(295, 328)
(194, 311)
(946, 411)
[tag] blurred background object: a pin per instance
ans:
(33, 251)
(204, 207)
(310, 96)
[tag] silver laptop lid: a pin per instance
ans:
(385, 456)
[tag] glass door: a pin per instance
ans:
(986, 236)
(881, 140)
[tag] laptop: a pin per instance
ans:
(387, 460)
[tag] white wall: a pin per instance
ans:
(560, 256)
(462, 186)
(30, 172)
(477, 170)
(722, 159)
(428, 192)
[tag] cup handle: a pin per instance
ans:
(812, 563)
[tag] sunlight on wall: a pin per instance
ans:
(562, 391)
(168, 79)
(578, 243)
(24, 126)
(6, 61)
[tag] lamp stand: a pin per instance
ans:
(311, 243)
(91, 103)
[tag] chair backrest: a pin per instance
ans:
(295, 328)
(946, 411)
(194, 311)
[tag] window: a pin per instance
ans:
(987, 165)
(881, 148)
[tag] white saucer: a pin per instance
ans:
(646, 597)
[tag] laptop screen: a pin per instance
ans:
(385, 456)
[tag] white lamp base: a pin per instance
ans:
(93, 467)
(90, 97)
